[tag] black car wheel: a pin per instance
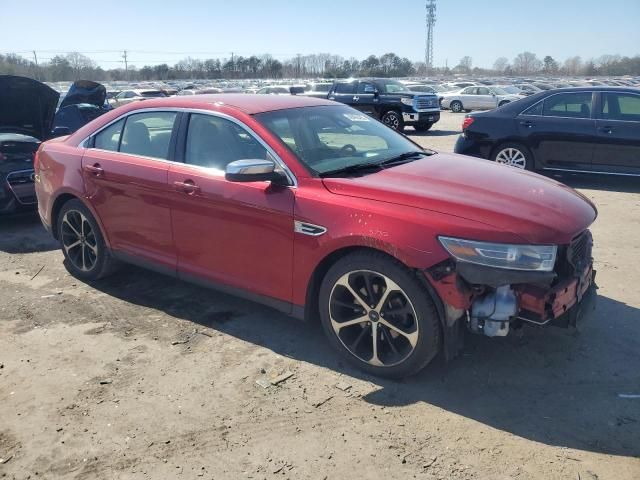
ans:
(514, 155)
(456, 106)
(378, 315)
(393, 120)
(422, 127)
(85, 253)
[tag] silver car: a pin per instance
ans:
(478, 98)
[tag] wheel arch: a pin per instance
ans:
(60, 201)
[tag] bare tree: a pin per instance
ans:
(526, 63)
(501, 64)
(573, 65)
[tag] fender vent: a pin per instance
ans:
(308, 229)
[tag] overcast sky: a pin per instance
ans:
(166, 31)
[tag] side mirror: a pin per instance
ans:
(61, 131)
(255, 171)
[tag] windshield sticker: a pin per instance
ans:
(356, 117)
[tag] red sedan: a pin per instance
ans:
(320, 211)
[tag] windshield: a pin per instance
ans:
(499, 91)
(152, 94)
(330, 138)
(391, 86)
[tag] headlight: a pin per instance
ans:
(539, 258)
(407, 101)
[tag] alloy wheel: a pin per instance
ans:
(392, 121)
(373, 318)
(79, 241)
(513, 157)
(456, 107)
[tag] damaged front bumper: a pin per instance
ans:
(490, 301)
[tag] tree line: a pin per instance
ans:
(75, 65)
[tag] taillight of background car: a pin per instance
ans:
(466, 123)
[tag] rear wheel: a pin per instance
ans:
(514, 155)
(85, 253)
(456, 106)
(422, 127)
(393, 120)
(378, 315)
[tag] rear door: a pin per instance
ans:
(366, 98)
(618, 127)
(125, 172)
(344, 92)
(560, 131)
(468, 98)
(236, 234)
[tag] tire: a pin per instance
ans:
(456, 106)
(502, 103)
(393, 119)
(86, 255)
(422, 127)
(406, 341)
(514, 155)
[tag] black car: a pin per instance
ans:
(85, 101)
(27, 109)
(389, 101)
(587, 129)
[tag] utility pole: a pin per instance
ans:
(35, 59)
(431, 22)
(126, 65)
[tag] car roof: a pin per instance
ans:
(250, 104)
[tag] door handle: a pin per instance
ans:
(187, 187)
(607, 129)
(527, 124)
(96, 169)
(356, 98)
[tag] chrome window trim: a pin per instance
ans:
(292, 178)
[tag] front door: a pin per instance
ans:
(236, 234)
(125, 173)
(618, 127)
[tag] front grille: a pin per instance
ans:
(22, 185)
(579, 252)
(424, 103)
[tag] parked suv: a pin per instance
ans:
(389, 101)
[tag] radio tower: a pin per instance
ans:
(431, 21)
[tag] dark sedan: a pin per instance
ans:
(589, 129)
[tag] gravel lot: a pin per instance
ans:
(141, 376)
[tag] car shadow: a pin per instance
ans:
(554, 386)
(608, 183)
(23, 233)
(434, 133)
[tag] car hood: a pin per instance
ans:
(26, 106)
(85, 91)
(537, 209)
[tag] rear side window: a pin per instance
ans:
(148, 134)
(365, 87)
(346, 87)
(621, 106)
(214, 142)
(574, 105)
(109, 138)
(534, 109)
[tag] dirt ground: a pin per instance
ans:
(141, 376)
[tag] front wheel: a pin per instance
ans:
(422, 127)
(393, 119)
(378, 316)
(85, 252)
(456, 106)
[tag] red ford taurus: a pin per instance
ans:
(320, 211)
